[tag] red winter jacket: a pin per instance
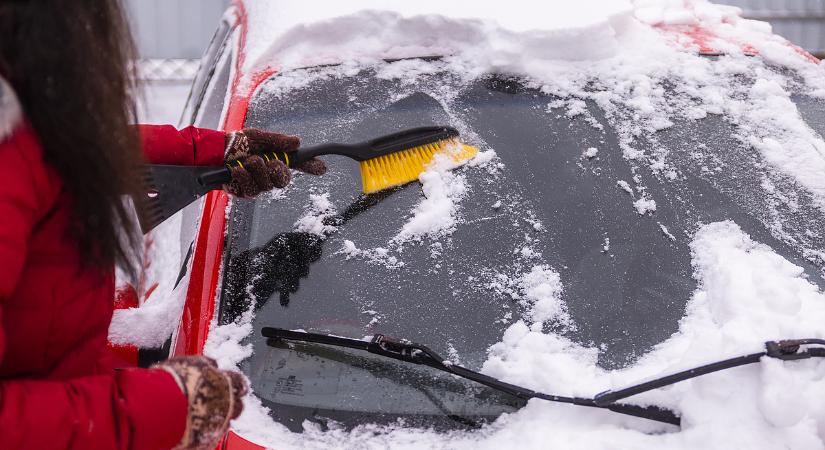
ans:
(56, 390)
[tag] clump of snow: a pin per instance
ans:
(482, 158)
(644, 205)
(538, 291)
(783, 139)
(150, 324)
(691, 12)
(224, 344)
(625, 186)
(436, 214)
(666, 232)
(590, 153)
(737, 286)
(154, 320)
(378, 255)
(319, 209)
(528, 252)
(541, 288)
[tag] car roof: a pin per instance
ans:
(269, 28)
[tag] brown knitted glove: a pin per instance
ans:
(257, 175)
(214, 399)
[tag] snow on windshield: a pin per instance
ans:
(748, 294)
(607, 53)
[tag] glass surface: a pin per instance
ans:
(209, 114)
(452, 292)
(205, 73)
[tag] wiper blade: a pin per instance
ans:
(787, 350)
(410, 352)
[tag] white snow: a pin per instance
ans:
(541, 289)
(436, 214)
(150, 324)
(482, 158)
(224, 343)
(644, 205)
(299, 36)
(666, 232)
(443, 189)
(784, 140)
(319, 209)
(156, 317)
(625, 186)
(590, 152)
(538, 291)
(378, 255)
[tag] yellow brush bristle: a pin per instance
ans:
(402, 167)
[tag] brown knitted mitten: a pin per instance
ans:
(214, 398)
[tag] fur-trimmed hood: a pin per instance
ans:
(10, 111)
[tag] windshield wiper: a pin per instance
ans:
(419, 354)
(787, 350)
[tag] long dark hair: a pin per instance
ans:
(71, 65)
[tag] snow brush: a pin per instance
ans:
(385, 162)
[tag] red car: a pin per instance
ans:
(337, 264)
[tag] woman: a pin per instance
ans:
(67, 157)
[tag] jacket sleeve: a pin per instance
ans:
(134, 409)
(191, 146)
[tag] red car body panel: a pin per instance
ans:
(232, 441)
(199, 308)
(702, 39)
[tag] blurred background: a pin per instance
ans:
(800, 21)
(172, 34)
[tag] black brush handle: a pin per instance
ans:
(362, 151)
(215, 178)
(219, 176)
(402, 140)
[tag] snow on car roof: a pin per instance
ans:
(290, 34)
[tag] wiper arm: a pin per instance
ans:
(419, 354)
(787, 350)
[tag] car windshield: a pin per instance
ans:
(550, 209)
